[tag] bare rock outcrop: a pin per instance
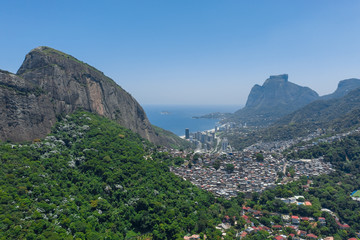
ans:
(50, 83)
(26, 113)
(277, 97)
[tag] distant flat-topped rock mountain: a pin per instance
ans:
(332, 116)
(278, 94)
(51, 83)
(275, 98)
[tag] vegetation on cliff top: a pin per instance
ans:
(48, 50)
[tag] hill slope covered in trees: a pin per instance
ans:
(93, 179)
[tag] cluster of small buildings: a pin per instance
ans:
(276, 230)
(355, 195)
(314, 138)
(298, 200)
(248, 174)
(310, 167)
(330, 139)
(281, 145)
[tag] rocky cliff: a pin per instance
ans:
(26, 112)
(50, 83)
(275, 98)
(280, 95)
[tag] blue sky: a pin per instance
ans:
(192, 51)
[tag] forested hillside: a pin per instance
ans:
(93, 179)
(325, 191)
(334, 190)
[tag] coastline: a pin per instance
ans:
(205, 131)
(181, 117)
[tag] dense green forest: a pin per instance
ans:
(92, 179)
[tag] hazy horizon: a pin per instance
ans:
(192, 52)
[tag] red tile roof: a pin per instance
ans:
(277, 226)
(279, 238)
(310, 235)
(243, 234)
(343, 225)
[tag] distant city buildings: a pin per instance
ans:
(224, 145)
(208, 141)
(202, 140)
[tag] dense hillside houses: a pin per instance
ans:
(248, 174)
(290, 228)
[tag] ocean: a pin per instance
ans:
(176, 118)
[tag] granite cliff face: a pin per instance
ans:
(275, 98)
(280, 95)
(26, 112)
(50, 83)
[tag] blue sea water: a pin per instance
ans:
(180, 117)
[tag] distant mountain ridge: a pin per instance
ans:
(334, 112)
(50, 83)
(332, 115)
(278, 97)
(277, 93)
(275, 98)
(324, 111)
(344, 87)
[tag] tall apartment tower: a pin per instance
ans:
(187, 133)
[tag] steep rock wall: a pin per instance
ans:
(62, 85)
